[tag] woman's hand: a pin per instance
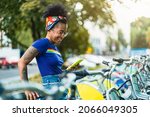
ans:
(31, 95)
(75, 65)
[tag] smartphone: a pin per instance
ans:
(74, 64)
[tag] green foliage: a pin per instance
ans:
(139, 33)
(113, 45)
(121, 39)
(11, 20)
(25, 37)
(148, 36)
(22, 21)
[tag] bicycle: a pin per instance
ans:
(117, 82)
(130, 71)
(15, 91)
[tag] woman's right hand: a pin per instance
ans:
(31, 95)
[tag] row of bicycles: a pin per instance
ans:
(120, 79)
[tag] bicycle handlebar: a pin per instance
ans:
(85, 72)
(120, 60)
(21, 86)
(106, 63)
(7, 90)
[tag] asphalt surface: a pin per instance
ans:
(13, 73)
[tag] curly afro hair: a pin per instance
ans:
(55, 10)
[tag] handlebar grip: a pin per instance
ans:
(106, 63)
(120, 60)
(105, 70)
(143, 56)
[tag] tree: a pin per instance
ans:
(121, 39)
(139, 28)
(9, 21)
(148, 36)
(24, 17)
(112, 44)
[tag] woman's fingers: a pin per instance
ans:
(33, 96)
(30, 95)
(37, 95)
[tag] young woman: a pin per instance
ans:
(48, 57)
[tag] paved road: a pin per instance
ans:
(13, 74)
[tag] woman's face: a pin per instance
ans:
(58, 33)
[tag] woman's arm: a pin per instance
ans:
(27, 57)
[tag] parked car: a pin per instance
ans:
(9, 57)
(4, 62)
(13, 61)
(8, 63)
